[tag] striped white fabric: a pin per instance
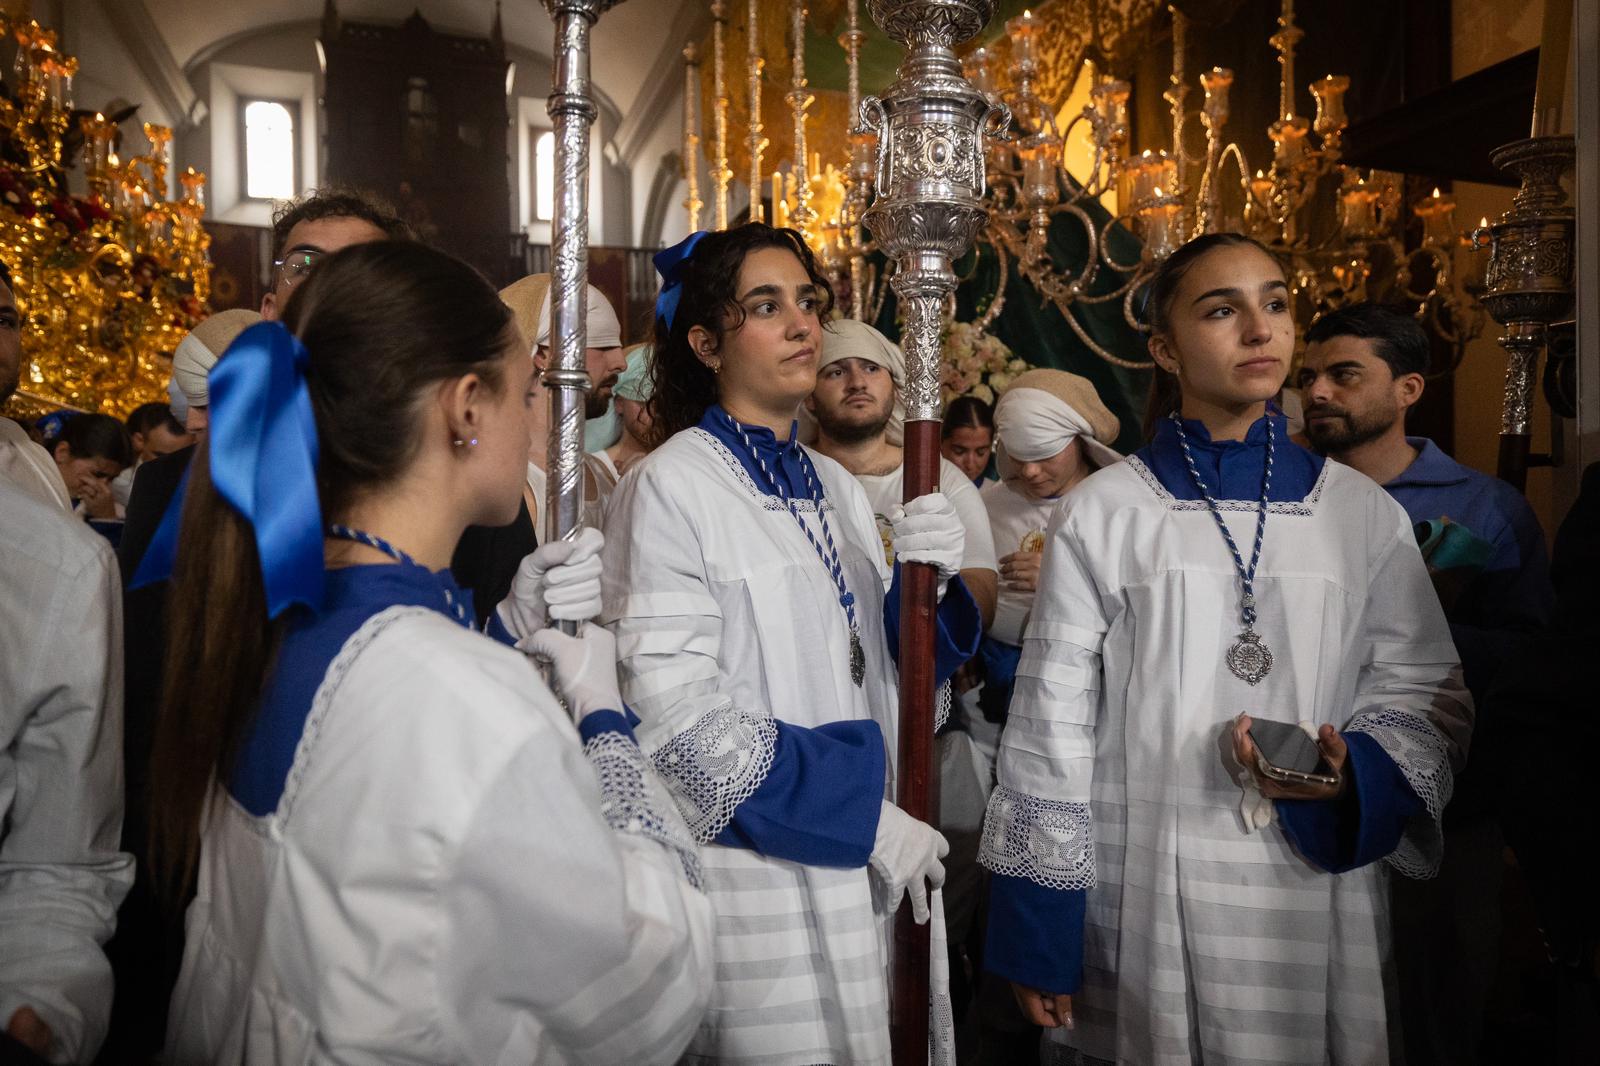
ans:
(725, 619)
(1203, 941)
(438, 883)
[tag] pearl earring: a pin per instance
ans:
(458, 442)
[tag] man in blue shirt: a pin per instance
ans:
(1363, 369)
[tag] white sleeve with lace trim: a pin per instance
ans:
(710, 754)
(1411, 698)
(1038, 823)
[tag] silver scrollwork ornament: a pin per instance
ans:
(572, 111)
(930, 181)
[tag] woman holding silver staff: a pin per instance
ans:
(746, 583)
(403, 848)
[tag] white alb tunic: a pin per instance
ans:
(1017, 523)
(438, 883)
(726, 620)
(884, 492)
(1202, 941)
(62, 875)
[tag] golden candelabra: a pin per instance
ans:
(755, 143)
(801, 215)
(107, 282)
(721, 176)
(691, 133)
(1339, 231)
(1166, 197)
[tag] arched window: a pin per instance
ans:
(544, 175)
(270, 146)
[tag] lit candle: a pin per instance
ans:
(1022, 30)
(1160, 229)
(97, 134)
(1329, 92)
(1358, 215)
(1216, 82)
(1478, 242)
(780, 209)
(194, 186)
(1288, 140)
(1261, 190)
(1438, 214)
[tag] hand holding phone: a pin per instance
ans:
(1284, 767)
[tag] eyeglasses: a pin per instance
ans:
(293, 268)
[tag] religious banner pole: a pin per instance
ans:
(573, 112)
(930, 181)
(721, 176)
(754, 141)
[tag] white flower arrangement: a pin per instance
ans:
(976, 364)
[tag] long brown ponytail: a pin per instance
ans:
(380, 322)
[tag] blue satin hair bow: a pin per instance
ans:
(263, 445)
(669, 264)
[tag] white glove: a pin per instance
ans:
(928, 530)
(560, 580)
(905, 856)
(585, 667)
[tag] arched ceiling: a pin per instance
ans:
(628, 42)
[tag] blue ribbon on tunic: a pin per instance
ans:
(669, 264)
(263, 456)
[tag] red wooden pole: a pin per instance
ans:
(918, 771)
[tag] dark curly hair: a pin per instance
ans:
(338, 201)
(684, 386)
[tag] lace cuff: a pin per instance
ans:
(942, 698)
(631, 801)
(1419, 750)
(1045, 841)
(716, 764)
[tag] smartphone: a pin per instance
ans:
(1285, 753)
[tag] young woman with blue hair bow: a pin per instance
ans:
(402, 847)
(746, 583)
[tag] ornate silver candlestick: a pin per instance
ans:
(1529, 280)
(567, 379)
(930, 183)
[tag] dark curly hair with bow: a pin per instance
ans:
(685, 386)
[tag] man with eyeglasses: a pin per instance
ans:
(304, 231)
(307, 230)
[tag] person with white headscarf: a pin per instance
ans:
(1053, 431)
(191, 364)
(860, 418)
(631, 402)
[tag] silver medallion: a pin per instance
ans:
(858, 659)
(1249, 659)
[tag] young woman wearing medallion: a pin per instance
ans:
(1158, 896)
(747, 586)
